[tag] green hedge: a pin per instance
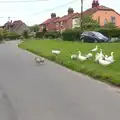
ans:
(40, 34)
(11, 36)
(115, 32)
(52, 34)
(48, 34)
(72, 35)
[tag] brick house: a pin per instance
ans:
(49, 24)
(100, 13)
(65, 22)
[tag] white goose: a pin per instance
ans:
(95, 49)
(104, 62)
(101, 54)
(74, 56)
(89, 55)
(57, 52)
(110, 58)
(97, 57)
(81, 58)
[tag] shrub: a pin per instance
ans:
(1, 37)
(71, 35)
(12, 36)
(114, 32)
(40, 34)
(52, 34)
(25, 34)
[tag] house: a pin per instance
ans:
(17, 26)
(65, 22)
(49, 24)
(100, 13)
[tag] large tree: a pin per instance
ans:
(89, 23)
(34, 28)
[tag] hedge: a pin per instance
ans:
(115, 32)
(40, 34)
(48, 34)
(11, 36)
(52, 35)
(72, 35)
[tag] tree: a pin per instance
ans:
(34, 28)
(88, 23)
(25, 34)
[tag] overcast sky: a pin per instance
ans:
(27, 11)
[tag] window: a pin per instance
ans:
(113, 19)
(61, 23)
(105, 21)
(57, 24)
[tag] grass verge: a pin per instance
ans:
(110, 74)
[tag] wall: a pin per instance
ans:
(51, 26)
(106, 15)
(22, 28)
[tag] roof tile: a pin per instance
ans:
(66, 17)
(49, 20)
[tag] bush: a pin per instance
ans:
(12, 36)
(115, 32)
(25, 34)
(52, 35)
(1, 37)
(40, 34)
(71, 35)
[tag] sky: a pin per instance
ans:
(37, 12)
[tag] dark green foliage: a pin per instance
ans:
(11, 36)
(25, 34)
(53, 35)
(71, 35)
(114, 32)
(40, 34)
(34, 28)
(48, 34)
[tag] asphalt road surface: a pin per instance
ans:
(49, 91)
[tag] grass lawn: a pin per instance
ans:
(109, 74)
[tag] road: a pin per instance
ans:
(50, 91)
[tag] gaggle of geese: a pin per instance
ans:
(100, 58)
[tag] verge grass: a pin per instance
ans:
(110, 74)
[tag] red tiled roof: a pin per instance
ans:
(91, 11)
(95, 9)
(49, 20)
(17, 22)
(66, 17)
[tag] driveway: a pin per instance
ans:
(50, 91)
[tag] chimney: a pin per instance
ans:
(95, 3)
(70, 11)
(53, 15)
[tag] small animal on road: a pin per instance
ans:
(39, 60)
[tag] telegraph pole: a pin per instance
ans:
(9, 24)
(81, 15)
